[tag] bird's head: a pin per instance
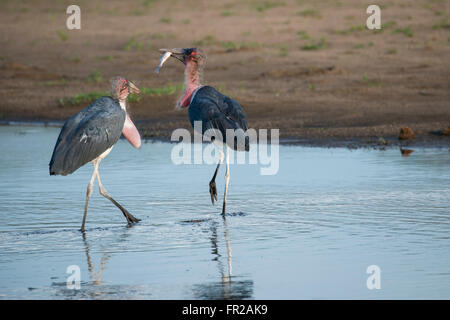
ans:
(194, 60)
(121, 88)
(191, 57)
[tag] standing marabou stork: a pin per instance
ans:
(91, 134)
(215, 110)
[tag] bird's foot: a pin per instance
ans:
(213, 191)
(130, 218)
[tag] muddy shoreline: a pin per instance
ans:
(309, 68)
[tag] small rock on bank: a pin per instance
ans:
(446, 132)
(406, 134)
(406, 152)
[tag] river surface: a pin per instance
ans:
(309, 232)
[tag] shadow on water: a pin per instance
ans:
(228, 288)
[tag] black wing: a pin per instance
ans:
(86, 135)
(234, 111)
(217, 111)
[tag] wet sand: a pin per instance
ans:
(353, 86)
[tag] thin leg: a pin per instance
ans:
(88, 194)
(229, 255)
(227, 179)
(212, 183)
(103, 192)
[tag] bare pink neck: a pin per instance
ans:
(192, 82)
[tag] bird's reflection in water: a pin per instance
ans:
(228, 288)
(96, 275)
(98, 290)
(95, 288)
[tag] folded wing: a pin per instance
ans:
(219, 112)
(86, 135)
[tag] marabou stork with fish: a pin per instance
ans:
(215, 110)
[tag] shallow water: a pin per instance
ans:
(310, 231)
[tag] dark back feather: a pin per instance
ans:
(217, 111)
(86, 135)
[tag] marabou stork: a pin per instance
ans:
(215, 110)
(91, 134)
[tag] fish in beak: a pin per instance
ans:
(163, 59)
(177, 53)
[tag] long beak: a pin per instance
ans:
(133, 88)
(177, 53)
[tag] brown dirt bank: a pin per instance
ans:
(309, 68)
